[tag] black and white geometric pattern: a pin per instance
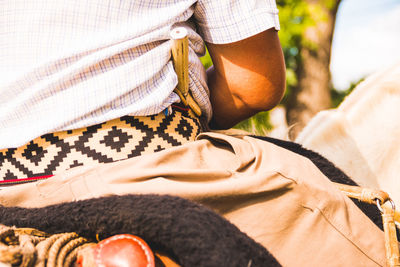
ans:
(118, 139)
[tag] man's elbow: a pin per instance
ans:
(274, 95)
(268, 95)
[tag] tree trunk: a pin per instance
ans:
(313, 89)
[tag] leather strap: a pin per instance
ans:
(364, 194)
(391, 243)
(379, 198)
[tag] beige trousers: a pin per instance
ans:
(277, 197)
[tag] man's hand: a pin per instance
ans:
(247, 77)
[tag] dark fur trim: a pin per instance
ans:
(193, 234)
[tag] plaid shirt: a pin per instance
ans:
(70, 64)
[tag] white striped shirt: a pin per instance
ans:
(70, 64)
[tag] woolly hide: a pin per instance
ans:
(194, 235)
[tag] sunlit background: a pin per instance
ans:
(366, 39)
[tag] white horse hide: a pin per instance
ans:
(362, 136)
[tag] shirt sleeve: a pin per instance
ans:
(228, 21)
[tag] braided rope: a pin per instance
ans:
(68, 248)
(43, 249)
(27, 247)
(72, 256)
(56, 247)
(28, 250)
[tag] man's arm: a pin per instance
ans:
(247, 77)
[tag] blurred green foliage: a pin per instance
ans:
(338, 95)
(259, 124)
(295, 16)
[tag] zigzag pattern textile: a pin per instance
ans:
(114, 140)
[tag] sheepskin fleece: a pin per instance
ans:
(192, 234)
